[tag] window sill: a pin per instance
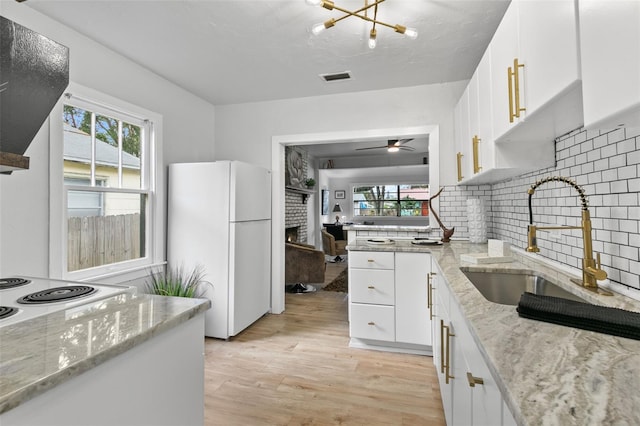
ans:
(123, 275)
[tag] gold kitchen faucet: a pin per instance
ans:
(591, 269)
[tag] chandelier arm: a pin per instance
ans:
(366, 18)
(375, 15)
(356, 12)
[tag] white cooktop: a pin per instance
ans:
(9, 297)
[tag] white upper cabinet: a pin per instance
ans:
(504, 49)
(461, 118)
(537, 93)
(548, 50)
(480, 142)
(525, 92)
(610, 50)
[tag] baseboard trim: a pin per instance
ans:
(406, 348)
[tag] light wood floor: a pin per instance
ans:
(296, 369)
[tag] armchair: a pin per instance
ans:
(303, 265)
(331, 246)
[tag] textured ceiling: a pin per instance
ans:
(235, 51)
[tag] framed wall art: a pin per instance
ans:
(339, 194)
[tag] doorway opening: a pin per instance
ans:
(278, 183)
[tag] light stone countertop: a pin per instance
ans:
(548, 374)
(38, 354)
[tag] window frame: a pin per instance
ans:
(395, 200)
(101, 103)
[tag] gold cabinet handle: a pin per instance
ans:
(442, 346)
(371, 323)
(510, 90)
(370, 287)
(459, 159)
(370, 260)
(430, 296)
(447, 351)
(476, 160)
(473, 381)
(513, 76)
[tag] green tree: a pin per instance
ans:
(106, 129)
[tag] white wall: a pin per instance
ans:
(244, 131)
(24, 195)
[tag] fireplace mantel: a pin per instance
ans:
(304, 192)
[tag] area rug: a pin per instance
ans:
(339, 283)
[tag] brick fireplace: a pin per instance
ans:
(295, 215)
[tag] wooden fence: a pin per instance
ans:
(101, 240)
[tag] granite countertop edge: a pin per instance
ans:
(547, 374)
(179, 310)
(397, 228)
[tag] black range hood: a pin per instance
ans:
(34, 72)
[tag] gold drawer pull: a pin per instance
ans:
(371, 287)
(370, 260)
(473, 381)
(371, 323)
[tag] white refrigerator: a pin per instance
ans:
(219, 217)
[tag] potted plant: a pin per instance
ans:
(177, 282)
(310, 182)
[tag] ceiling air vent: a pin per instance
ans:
(340, 76)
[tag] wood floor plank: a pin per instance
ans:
(297, 369)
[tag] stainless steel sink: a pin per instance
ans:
(507, 287)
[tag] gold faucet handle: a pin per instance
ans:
(597, 272)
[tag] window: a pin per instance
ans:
(403, 200)
(108, 165)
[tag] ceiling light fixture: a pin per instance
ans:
(393, 146)
(330, 5)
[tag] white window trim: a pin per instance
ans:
(124, 271)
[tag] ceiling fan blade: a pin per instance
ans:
(371, 147)
(406, 148)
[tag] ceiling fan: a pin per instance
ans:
(393, 145)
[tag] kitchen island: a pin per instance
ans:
(546, 374)
(128, 359)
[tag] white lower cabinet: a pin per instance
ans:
(470, 395)
(388, 301)
(374, 322)
(412, 315)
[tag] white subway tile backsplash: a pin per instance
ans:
(606, 165)
(608, 151)
(628, 172)
(599, 141)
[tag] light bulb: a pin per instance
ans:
(314, 2)
(412, 33)
(393, 149)
(372, 39)
(318, 28)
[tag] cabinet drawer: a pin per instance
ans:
(374, 322)
(374, 286)
(371, 259)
